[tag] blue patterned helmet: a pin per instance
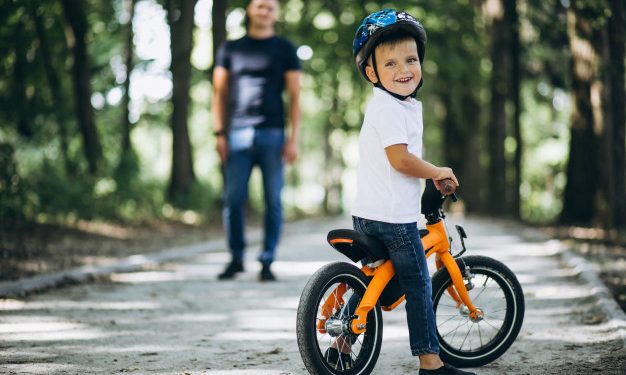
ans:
(375, 25)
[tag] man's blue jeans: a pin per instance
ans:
(409, 260)
(249, 147)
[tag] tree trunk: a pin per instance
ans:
(582, 168)
(616, 103)
(453, 137)
(460, 141)
(55, 86)
(497, 123)
(127, 167)
(333, 162)
(473, 173)
(81, 75)
(19, 79)
(180, 15)
(126, 125)
(514, 96)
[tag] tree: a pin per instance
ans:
(595, 191)
(77, 42)
(514, 95)
(19, 74)
(616, 140)
(128, 60)
(180, 16)
(582, 169)
(456, 85)
(54, 83)
(128, 164)
(499, 33)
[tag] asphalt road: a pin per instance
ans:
(176, 318)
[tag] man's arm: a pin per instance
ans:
(404, 162)
(220, 102)
(292, 83)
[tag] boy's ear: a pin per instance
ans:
(371, 75)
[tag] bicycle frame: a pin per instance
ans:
(435, 242)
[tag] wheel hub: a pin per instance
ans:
(465, 312)
(337, 327)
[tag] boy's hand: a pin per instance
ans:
(442, 174)
(447, 187)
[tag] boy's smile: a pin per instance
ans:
(398, 67)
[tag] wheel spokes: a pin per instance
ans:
(458, 330)
(342, 308)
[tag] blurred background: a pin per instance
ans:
(523, 99)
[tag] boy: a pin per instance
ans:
(389, 49)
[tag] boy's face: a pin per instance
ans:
(398, 67)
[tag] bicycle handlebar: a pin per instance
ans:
(432, 198)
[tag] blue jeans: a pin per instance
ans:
(409, 260)
(249, 147)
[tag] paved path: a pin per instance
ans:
(175, 318)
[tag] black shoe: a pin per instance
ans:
(266, 274)
(233, 267)
(446, 370)
(336, 360)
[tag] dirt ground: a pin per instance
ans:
(611, 261)
(28, 249)
(165, 319)
(605, 251)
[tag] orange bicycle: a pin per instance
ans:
(478, 301)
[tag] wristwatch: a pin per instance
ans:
(218, 133)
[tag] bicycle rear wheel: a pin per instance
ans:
(326, 307)
(496, 292)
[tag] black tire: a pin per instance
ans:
(365, 348)
(498, 294)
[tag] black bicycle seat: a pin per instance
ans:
(357, 246)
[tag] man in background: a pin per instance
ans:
(250, 76)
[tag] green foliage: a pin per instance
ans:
(200, 197)
(61, 198)
(545, 135)
(42, 170)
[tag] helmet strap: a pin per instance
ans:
(379, 83)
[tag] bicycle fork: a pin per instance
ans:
(459, 292)
(437, 242)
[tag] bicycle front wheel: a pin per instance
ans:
(495, 291)
(327, 305)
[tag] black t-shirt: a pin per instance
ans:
(256, 69)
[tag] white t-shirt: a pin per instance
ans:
(383, 193)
